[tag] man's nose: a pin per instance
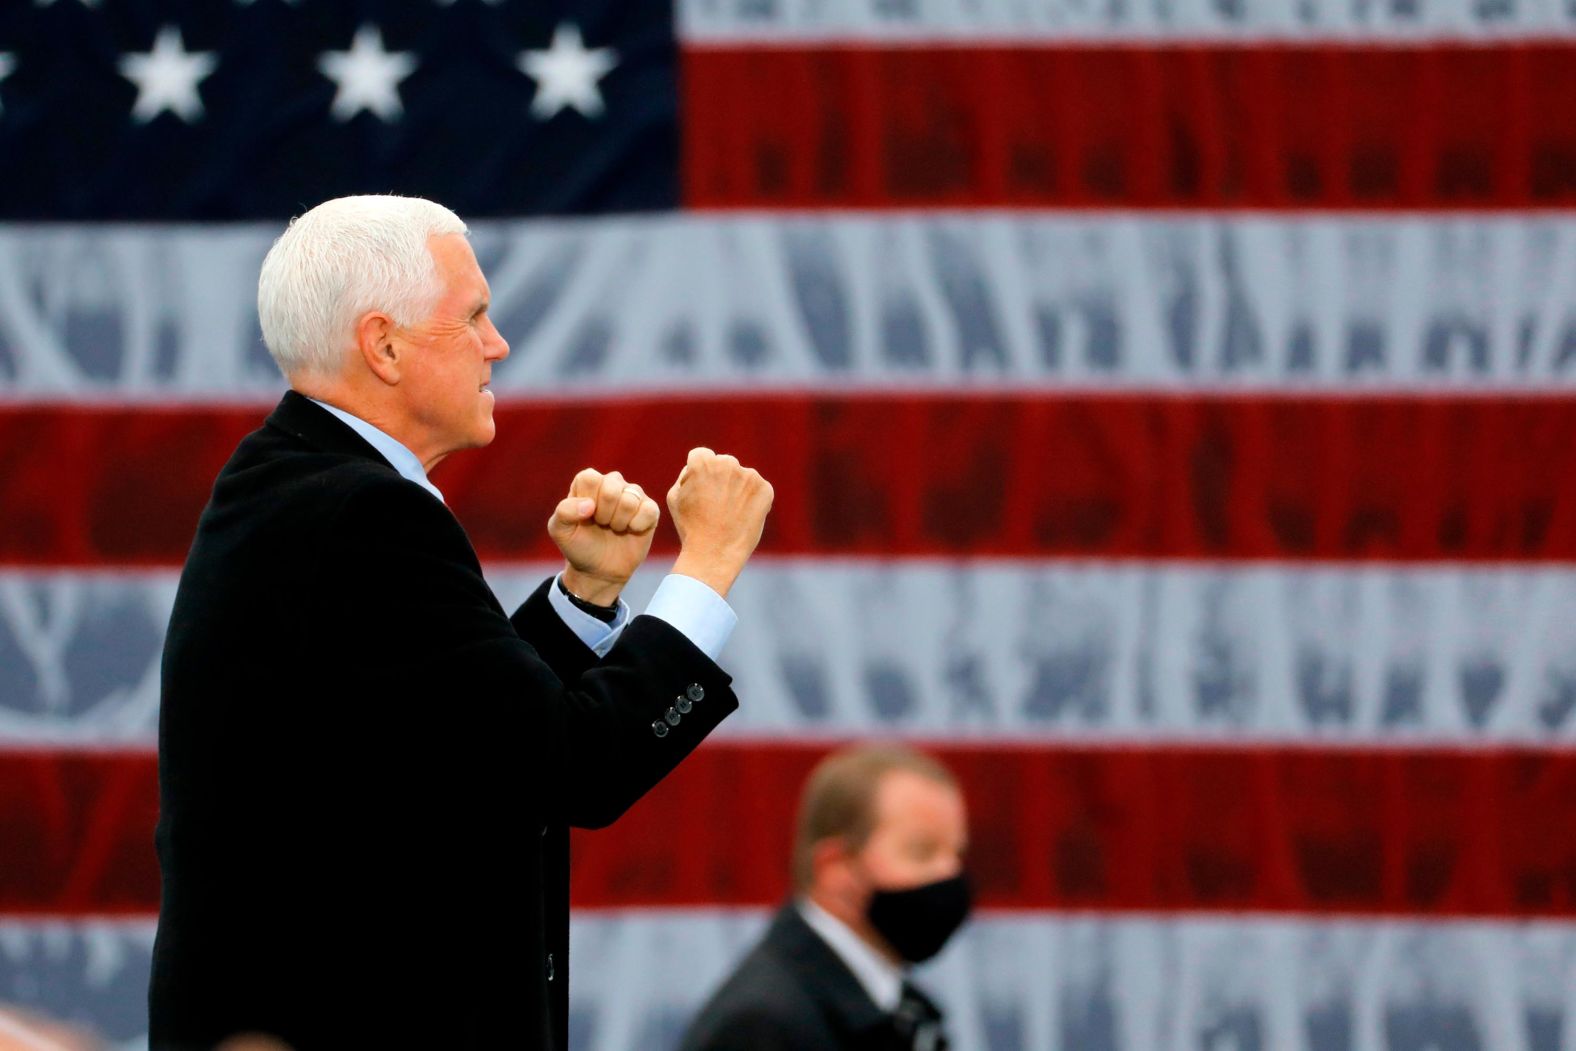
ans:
(497, 347)
(946, 865)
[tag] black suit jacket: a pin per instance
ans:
(367, 768)
(792, 993)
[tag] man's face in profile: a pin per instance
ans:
(447, 373)
(920, 835)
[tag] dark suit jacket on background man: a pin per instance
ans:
(879, 885)
(382, 763)
(793, 993)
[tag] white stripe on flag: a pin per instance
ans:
(1009, 300)
(1027, 982)
(982, 650)
(1009, 982)
(1084, 22)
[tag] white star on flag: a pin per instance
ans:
(368, 76)
(167, 77)
(7, 64)
(566, 74)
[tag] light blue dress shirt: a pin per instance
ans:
(691, 607)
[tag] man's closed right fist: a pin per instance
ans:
(719, 507)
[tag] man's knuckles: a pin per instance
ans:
(631, 502)
(567, 512)
(646, 517)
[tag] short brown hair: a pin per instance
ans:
(839, 797)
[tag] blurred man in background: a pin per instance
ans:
(879, 884)
(367, 768)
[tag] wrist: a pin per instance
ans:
(715, 574)
(597, 591)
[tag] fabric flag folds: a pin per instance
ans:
(1171, 405)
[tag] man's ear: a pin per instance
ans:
(379, 349)
(832, 863)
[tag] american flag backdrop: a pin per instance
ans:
(1171, 406)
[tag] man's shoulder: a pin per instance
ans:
(281, 499)
(274, 466)
(275, 444)
(763, 1003)
(766, 975)
(767, 991)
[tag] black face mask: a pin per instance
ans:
(917, 921)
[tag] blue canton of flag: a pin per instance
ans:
(253, 109)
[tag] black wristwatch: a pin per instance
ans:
(605, 614)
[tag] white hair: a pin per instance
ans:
(338, 261)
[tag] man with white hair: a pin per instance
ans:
(367, 768)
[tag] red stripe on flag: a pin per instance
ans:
(1265, 828)
(1404, 479)
(1153, 828)
(116, 486)
(78, 829)
(1334, 126)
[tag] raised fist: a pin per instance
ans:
(604, 529)
(719, 507)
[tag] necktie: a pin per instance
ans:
(918, 1021)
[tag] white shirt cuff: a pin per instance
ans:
(597, 634)
(695, 611)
